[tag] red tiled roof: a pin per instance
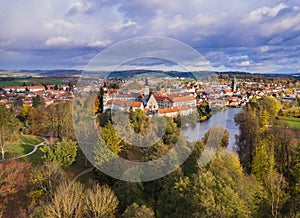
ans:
(182, 108)
(114, 90)
(136, 104)
(35, 87)
(227, 90)
(167, 110)
(121, 103)
(183, 98)
(161, 98)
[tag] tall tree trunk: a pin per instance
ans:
(2, 153)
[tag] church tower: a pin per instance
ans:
(233, 85)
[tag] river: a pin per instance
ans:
(222, 118)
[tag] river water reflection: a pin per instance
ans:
(222, 118)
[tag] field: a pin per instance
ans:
(293, 122)
(19, 81)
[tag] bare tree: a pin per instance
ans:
(68, 201)
(101, 201)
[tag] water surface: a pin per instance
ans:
(222, 118)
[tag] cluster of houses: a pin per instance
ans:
(24, 94)
(179, 98)
(162, 103)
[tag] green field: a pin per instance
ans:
(293, 122)
(19, 81)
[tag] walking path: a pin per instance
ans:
(86, 171)
(33, 151)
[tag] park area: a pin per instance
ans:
(24, 145)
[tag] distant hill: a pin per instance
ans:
(131, 73)
(53, 73)
(136, 73)
(268, 75)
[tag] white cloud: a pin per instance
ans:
(61, 24)
(99, 43)
(79, 7)
(178, 23)
(288, 23)
(129, 26)
(58, 41)
(243, 63)
(263, 12)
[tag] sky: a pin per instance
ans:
(259, 36)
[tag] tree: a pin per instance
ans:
(138, 119)
(73, 200)
(214, 136)
(13, 179)
(171, 133)
(25, 110)
(275, 186)
(263, 161)
(100, 100)
(264, 120)
(219, 190)
(64, 152)
(223, 190)
(44, 180)
(136, 211)
(270, 104)
(111, 138)
(104, 118)
(18, 102)
(249, 134)
(68, 201)
(9, 127)
(36, 101)
(59, 116)
(128, 193)
(100, 201)
(37, 120)
(204, 111)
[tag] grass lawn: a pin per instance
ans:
(36, 158)
(16, 149)
(31, 139)
(22, 146)
(293, 122)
